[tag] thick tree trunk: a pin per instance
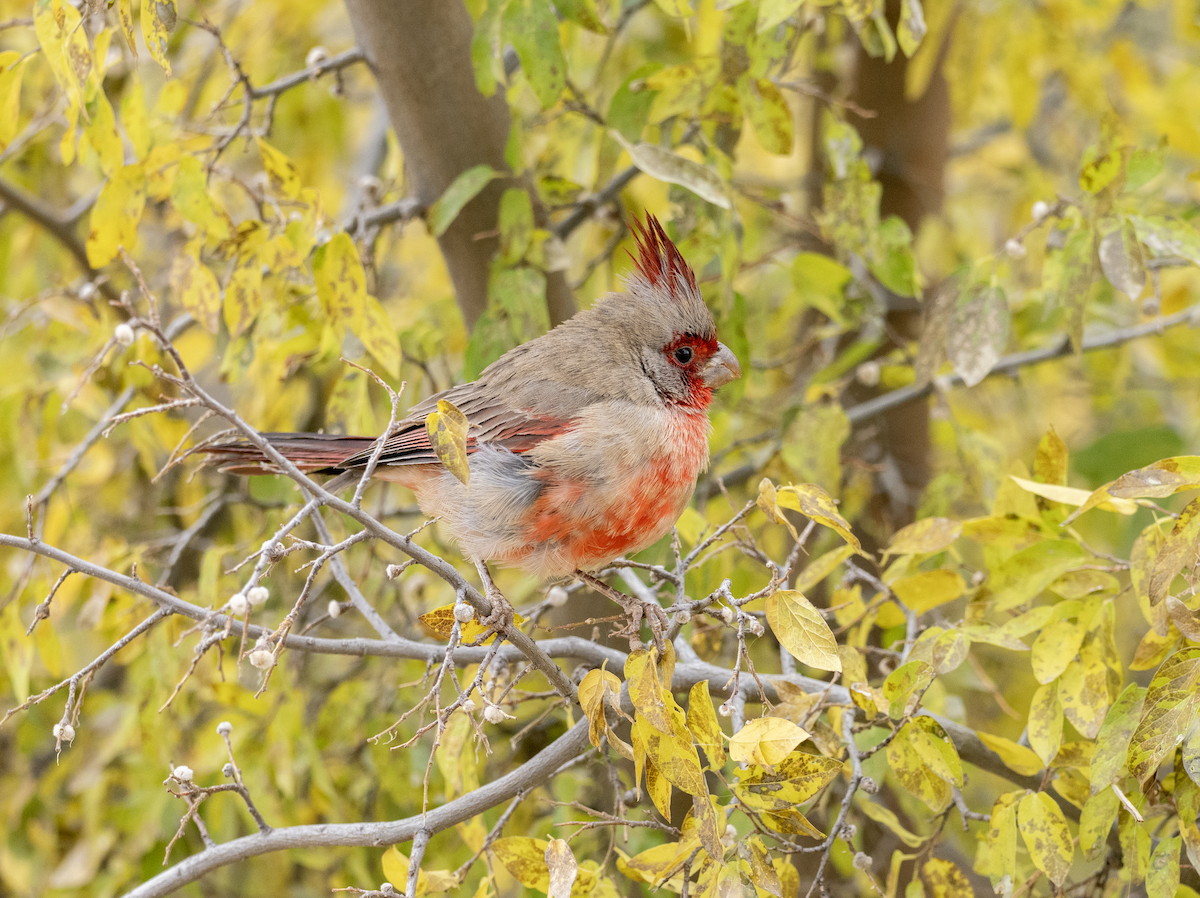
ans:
(420, 52)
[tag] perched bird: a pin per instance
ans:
(583, 444)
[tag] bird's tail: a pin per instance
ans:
(312, 453)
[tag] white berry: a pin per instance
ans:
(238, 604)
(123, 334)
(315, 57)
(464, 613)
(1040, 210)
(86, 291)
(183, 773)
(64, 731)
(1015, 249)
(725, 710)
(726, 614)
(392, 571)
(468, 705)
(335, 608)
(262, 658)
(730, 838)
(224, 728)
(556, 597)
(493, 714)
(257, 595)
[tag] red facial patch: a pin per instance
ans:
(659, 260)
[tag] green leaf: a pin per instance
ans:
(905, 682)
(769, 114)
(1021, 577)
(1112, 743)
(1143, 166)
(1078, 272)
(1096, 820)
(1044, 831)
(532, 29)
(582, 13)
(675, 169)
(516, 225)
(912, 28)
(1168, 237)
(1162, 878)
(463, 189)
(775, 12)
(1172, 706)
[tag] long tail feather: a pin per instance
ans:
(313, 453)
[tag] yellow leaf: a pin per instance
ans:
(813, 502)
(944, 880)
(101, 133)
(340, 280)
(191, 196)
(674, 754)
(762, 872)
(161, 169)
(377, 333)
(525, 859)
(710, 825)
(243, 294)
(1068, 495)
(691, 525)
(158, 21)
(678, 9)
(447, 429)
(281, 171)
(196, 287)
(927, 590)
(887, 818)
(1044, 831)
(658, 788)
(562, 867)
(125, 12)
(440, 622)
(395, 868)
(925, 536)
(115, 216)
(1016, 757)
(134, 120)
(1045, 722)
(820, 568)
(765, 741)
(598, 688)
(702, 721)
(802, 630)
(653, 864)
(12, 66)
(1161, 479)
(1055, 647)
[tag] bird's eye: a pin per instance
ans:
(683, 354)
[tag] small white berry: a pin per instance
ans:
(726, 614)
(224, 728)
(464, 613)
(683, 617)
(262, 658)
(183, 773)
(335, 608)
(273, 550)
(730, 838)
(238, 604)
(227, 770)
(468, 705)
(1040, 210)
(257, 595)
(86, 291)
(862, 861)
(725, 710)
(1014, 248)
(64, 732)
(868, 373)
(315, 57)
(370, 185)
(755, 626)
(392, 571)
(388, 889)
(556, 597)
(123, 334)
(493, 714)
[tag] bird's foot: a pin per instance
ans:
(636, 610)
(501, 617)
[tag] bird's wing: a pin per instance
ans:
(490, 418)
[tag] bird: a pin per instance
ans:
(584, 444)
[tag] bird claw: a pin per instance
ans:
(636, 611)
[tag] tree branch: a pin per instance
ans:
(529, 775)
(287, 82)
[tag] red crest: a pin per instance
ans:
(659, 260)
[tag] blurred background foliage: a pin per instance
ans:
(872, 198)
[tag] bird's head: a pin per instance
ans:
(671, 328)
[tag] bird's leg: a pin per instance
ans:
(636, 609)
(500, 618)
